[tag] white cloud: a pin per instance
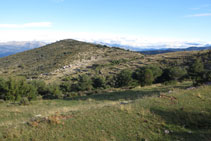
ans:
(201, 7)
(200, 15)
(110, 39)
(27, 25)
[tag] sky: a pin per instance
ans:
(136, 22)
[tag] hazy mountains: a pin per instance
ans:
(146, 47)
(9, 48)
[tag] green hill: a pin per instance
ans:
(66, 57)
(70, 57)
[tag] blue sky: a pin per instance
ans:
(160, 20)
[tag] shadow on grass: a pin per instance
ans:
(198, 123)
(126, 95)
(129, 94)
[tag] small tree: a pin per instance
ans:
(147, 77)
(156, 71)
(55, 91)
(84, 83)
(3, 88)
(144, 76)
(176, 73)
(99, 82)
(196, 72)
(123, 78)
(196, 68)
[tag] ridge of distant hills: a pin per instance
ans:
(160, 51)
(13, 47)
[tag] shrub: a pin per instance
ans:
(16, 88)
(99, 82)
(54, 92)
(156, 71)
(84, 83)
(144, 76)
(196, 68)
(24, 101)
(41, 87)
(3, 88)
(172, 74)
(110, 81)
(176, 73)
(66, 87)
(197, 73)
(124, 78)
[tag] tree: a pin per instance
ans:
(99, 82)
(196, 72)
(156, 71)
(172, 74)
(3, 88)
(144, 76)
(84, 83)
(175, 73)
(16, 88)
(147, 77)
(123, 78)
(196, 68)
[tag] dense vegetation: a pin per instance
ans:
(19, 89)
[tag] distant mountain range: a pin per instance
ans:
(159, 51)
(13, 47)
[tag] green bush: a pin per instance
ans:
(173, 74)
(16, 88)
(66, 86)
(99, 82)
(124, 78)
(156, 71)
(197, 72)
(54, 91)
(110, 81)
(41, 87)
(196, 68)
(144, 76)
(24, 101)
(84, 83)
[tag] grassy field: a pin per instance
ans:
(157, 112)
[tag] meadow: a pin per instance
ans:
(156, 112)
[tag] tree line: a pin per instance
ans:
(20, 89)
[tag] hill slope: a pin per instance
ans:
(63, 57)
(71, 58)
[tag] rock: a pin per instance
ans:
(190, 88)
(124, 102)
(38, 115)
(166, 131)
